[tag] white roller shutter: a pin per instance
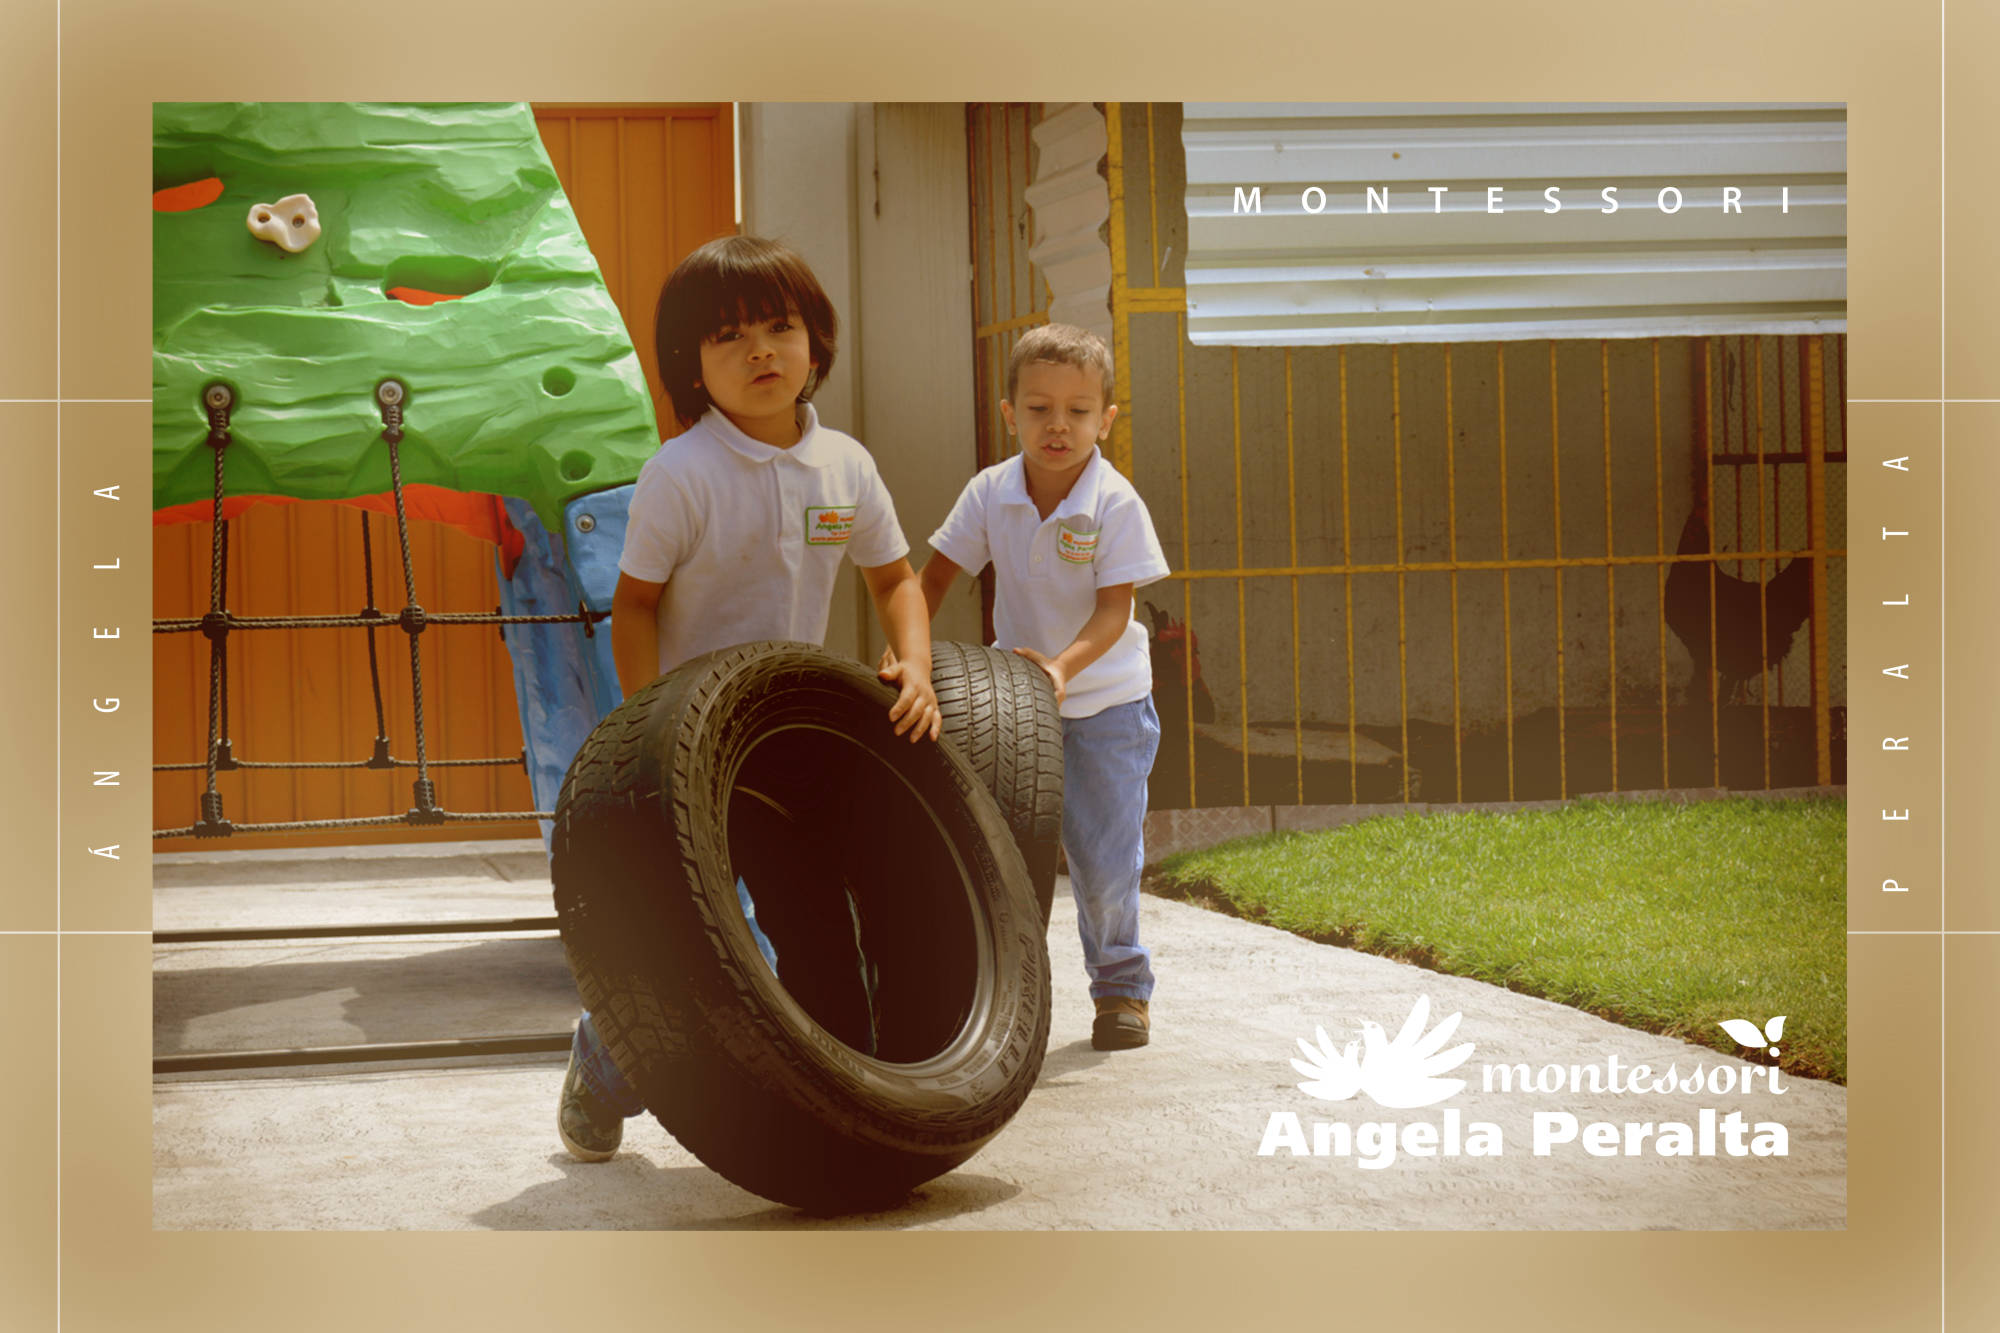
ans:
(1070, 203)
(1446, 268)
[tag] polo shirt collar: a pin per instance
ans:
(811, 450)
(1082, 497)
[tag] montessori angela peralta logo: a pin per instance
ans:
(1410, 1071)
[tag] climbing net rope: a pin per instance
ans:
(219, 400)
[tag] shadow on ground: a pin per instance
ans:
(324, 993)
(629, 1193)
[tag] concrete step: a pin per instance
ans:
(260, 995)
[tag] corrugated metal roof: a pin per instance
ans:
(1071, 203)
(1418, 266)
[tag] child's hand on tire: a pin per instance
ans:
(915, 711)
(1047, 664)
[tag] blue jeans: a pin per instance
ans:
(1106, 760)
(600, 1071)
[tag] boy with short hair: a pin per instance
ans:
(1070, 539)
(736, 531)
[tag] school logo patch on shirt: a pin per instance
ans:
(829, 525)
(1076, 544)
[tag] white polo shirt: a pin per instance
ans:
(1047, 570)
(748, 537)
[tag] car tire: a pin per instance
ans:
(1000, 712)
(834, 1090)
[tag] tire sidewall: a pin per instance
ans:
(730, 703)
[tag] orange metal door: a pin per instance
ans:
(649, 182)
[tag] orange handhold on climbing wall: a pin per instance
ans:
(186, 198)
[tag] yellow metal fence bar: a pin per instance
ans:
(1840, 347)
(993, 207)
(1402, 629)
(988, 451)
(1763, 612)
(1187, 588)
(1152, 197)
(1038, 292)
(1556, 491)
(1031, 116)
(1292, 525)
(1506, 579)
(1742, 418)
(1028, 320)
(1660, 574)
(1347, 597)
(1708, 504)
(1610, 548)
(1451, 519)
(1242, 626)
(1121, 322)
(1815, 523)
(1007, 145)
(1526, 562)
(1778, 481)
(1807, 393)
(1160, 300)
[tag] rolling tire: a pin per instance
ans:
(777, 762)
(1000, 712)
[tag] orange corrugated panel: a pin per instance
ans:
(306, 695)
(649, 183)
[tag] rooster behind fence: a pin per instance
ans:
(1754, 623)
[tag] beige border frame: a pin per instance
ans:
(79, 79)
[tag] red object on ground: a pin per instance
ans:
(187, 198)
(474, 512)
(417, 296)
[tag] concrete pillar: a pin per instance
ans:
(875, 197)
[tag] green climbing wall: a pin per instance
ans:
(525, 384)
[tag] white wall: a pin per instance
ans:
(916, 327)
(875, 197)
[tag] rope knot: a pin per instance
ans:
(427, 811)
(212, 824)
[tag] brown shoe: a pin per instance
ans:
(1121, 1024)
(590, 1129)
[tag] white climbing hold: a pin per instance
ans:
(291, 224)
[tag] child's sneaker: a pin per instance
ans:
(1121, 1024)
(589, 1129)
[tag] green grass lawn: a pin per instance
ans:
(1662, 916)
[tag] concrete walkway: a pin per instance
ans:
(1164, 1137)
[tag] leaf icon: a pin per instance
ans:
(1745, 1032)
(1775, 1029)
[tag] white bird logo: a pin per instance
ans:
(1404, 1073)
(1333, 1076)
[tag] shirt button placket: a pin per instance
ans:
(788, 538)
